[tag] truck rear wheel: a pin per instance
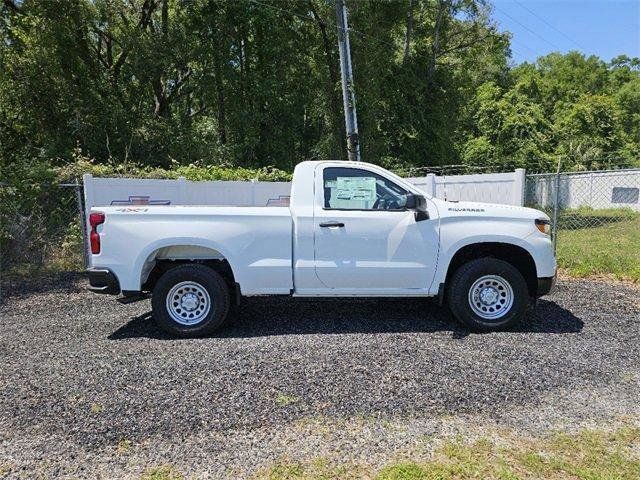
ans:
(190, 301)
(488, 294)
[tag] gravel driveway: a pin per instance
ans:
(90, 388)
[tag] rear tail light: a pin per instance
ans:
(95, 219)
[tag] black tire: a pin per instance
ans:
(458, 293)
(209, 280)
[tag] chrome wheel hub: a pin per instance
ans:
(188, 303)
(491, 297)
(488, 295)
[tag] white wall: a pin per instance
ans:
(116, 191)
(507, 188)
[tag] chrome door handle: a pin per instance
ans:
(332, 224)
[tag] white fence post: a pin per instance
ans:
(89, 200)
(253, 192)
(87, 182)
(518, 186)
(431, 184)
(182, 189)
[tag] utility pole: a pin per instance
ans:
(348, 91)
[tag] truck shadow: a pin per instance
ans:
(263, 316)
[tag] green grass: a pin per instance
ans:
(589, 455)
(165, 472)
(124, 446)
(612, 249)
(318, 469)
(282, 400)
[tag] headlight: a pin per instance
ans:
(543, 225)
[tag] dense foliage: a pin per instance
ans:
(169, 83)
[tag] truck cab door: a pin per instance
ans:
(365, 240)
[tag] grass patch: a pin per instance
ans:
(611, 249)
(589, 455)
(283, 400)
(124, 446)
(26, 272)
(318, 469)
(5, 469)
(165, 472)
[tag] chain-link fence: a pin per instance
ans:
(585, 200)
(40, 230)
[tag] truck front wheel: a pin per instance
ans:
(488, 294)
(190, 301)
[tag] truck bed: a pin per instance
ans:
(256, 240)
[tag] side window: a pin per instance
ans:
(355, 189)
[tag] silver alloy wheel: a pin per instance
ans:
(188, 303)
(491, 297)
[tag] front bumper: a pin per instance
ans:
(545, 285)
(102, 280)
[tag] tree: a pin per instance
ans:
(511, 131)
(245, 83)
(590, 134)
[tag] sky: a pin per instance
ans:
(606, 28)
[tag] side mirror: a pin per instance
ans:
(411, 202)
(419, 204)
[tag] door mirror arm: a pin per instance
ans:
(421, 215)
(418, 203)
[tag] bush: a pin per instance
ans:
(194, 171)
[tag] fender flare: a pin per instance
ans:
(147, 251)
(445, 257)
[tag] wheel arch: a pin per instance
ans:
(516, 255)
(160, 256)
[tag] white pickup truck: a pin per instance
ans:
(351, 230)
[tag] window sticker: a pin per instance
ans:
(353, 192)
